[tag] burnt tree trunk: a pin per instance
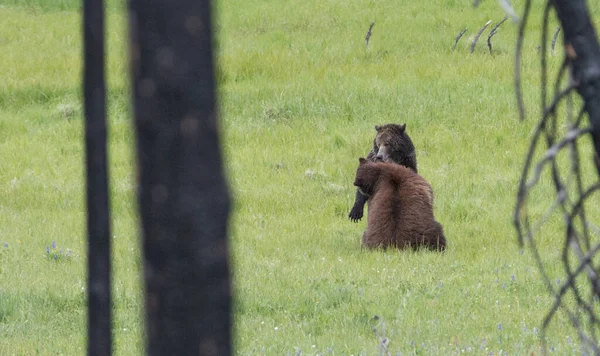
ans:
(98, 216)
(183, 195)
(583, 51)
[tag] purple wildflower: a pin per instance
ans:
(5, 244)
(47, 250)
(500, 327)
(53, 245)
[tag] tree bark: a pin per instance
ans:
(583, 51)
(183, 195)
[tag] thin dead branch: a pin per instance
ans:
(460, 34)
(368, 36)
(493, 32)
(479, 35)
(520, 39)
(573, 190)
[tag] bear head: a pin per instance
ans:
(392, 144)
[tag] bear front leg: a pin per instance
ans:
(359, 204)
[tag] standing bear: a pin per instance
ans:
(391, 144)
(400, 204)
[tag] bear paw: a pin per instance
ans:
(356, 214)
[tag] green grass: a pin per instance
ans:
(299, 97)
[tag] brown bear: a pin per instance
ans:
(400, 207)
(391, 144)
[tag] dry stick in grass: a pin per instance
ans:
(368, 36)
(555, 38)
(493, 32)
(479, 35)
(458, 38)
(489, 39)
(500, 23)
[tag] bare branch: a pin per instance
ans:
(479, 35)
(495, 28)
(493, 32)
(520, 39)
(579, 251)
(461, 33)
(368, 36)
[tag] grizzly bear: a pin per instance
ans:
(391, 144)
(400, 207)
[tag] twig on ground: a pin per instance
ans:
(489, 40)
(368, 36)
(495, 28)
(494, 31)
(479, 35)
(458, 38)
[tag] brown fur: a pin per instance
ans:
(400, 207)
(391, 144)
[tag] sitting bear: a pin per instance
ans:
(391, 144)
(400, 207)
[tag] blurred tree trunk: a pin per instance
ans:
(99, 341)
(183, 195)
(583, 51)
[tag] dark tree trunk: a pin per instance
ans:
(581, 45)
(183, 196)
(98, 216)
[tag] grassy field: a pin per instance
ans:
(299, 96)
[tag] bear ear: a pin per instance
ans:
(362, 160)
(402, 127)
(377, 128)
